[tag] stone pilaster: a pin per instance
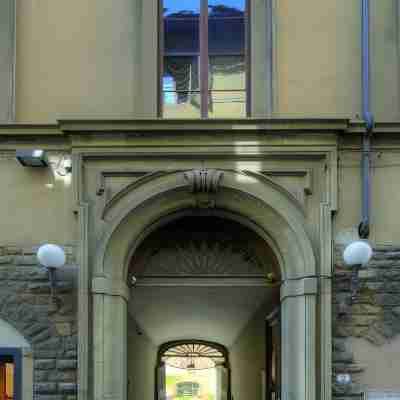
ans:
(299, 299)
(110, 338)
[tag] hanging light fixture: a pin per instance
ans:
(356, 255)
(191, 367)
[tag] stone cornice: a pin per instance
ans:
(158, 126)
(66, 128)
(29, 129)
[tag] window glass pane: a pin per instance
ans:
(226, 26)
(181, 73)
(181, 26)
(227, 104)
(181, 104)
(227, 73)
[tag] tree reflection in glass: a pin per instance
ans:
(220, 59)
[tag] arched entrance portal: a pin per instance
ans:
(202, 279)
(260, 205)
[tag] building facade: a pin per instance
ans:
(203, 174)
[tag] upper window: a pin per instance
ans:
(203, 59)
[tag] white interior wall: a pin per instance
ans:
(247, 357)
(142, 358)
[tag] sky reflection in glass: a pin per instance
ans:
(237, 4)
(180, 6)
(193, 6)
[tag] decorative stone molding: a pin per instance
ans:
(83, 304)
(115, 173)
(7, 155)
(111, 287)
(299, 287)
(305, 173)
(138, 179)
(204, 180)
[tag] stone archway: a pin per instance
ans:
(261, 205)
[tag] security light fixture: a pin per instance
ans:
(32, 158)
(356, 255)
(51, 257)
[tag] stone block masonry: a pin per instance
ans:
(374, 316)
(51, 327)
(48, 324)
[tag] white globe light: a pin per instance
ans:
(357, 253)
(343, 379)
(51, 256)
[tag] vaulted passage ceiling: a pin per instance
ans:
(189, 252)
(216, 314)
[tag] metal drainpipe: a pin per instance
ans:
(363, 228)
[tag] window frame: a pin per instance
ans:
(204, 60)
(16, 354)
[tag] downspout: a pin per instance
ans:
(363, 228)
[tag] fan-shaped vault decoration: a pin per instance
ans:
(193, 355)
(203, 246)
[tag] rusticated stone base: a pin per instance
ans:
(374, 315)
(49, 324)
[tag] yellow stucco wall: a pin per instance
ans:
(385, 194)
(318, 57)
(91, 57)
(385, 68)
(75, 57)
(36, 206)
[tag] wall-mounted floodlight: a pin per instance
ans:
(51, 257)
(32, 158)
(356, 255)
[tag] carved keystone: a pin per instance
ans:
(204, 180)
